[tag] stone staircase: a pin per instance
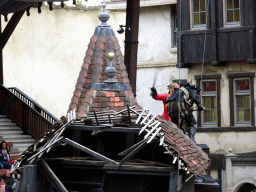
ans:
(11, 132)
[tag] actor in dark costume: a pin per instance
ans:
(163, 97)
(180, 107)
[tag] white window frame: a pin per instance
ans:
(241, 93)
(200, 26)
(230, 24)
(209, 94)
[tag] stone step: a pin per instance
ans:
(5, 119)
(17, 140)
(17, 145)
(10, 131)
(7, 123)
(20, 136)
(9, 127)
(3, 116)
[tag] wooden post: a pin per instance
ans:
(1, 57)
(131, 40)
(5, 35)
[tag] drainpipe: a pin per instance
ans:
(131, 41)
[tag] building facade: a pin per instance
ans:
(216, 42)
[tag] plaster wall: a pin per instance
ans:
(156, 56)
(44, 55)
(242, 175)
(220, 142)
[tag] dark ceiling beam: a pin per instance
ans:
(10, 28)
(131, 40)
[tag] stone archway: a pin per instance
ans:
(247, 187)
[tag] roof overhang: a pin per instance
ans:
(12, 6)
(122, 5)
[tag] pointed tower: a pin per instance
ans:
(97, 87)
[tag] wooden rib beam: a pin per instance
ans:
(89, 151)
(127, 151)
(10, 28)
(130, 155)
(50, 175)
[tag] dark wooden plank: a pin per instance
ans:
(252, 101)
(214, 32)
(186, 19)
(10, 28)
(77, 138)
(231, 102)
(225, 129)
(239, 75)
(253, 7)
(244, 13)
(218, 103)
(132, 169)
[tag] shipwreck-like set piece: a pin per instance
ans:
(184, 156)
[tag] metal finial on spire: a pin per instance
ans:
(104, 16)
(111, 70)
(104, 5)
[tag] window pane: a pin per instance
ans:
(229, 4)
(207, 115)
(209, 86)
(240, 115)
(207, 102)
(247, 101)
(196, 6)
(213, 103)
(236, 15)
(214, 116)
(202, 5)
(243, 85)
(240, 102)
(236, 4)
(247, 114)
(202, 18)
(230, 16)
(196, 19)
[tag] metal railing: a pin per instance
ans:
(25, 112)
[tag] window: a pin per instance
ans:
(198, 13)
(241, 99)
(232, 12)
(210, 99)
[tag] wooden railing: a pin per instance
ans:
(25, 112)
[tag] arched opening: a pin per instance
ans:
(247, 187)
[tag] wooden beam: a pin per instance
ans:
(1, 58)
(89, 151)
(131, 40)
(50, 175)
(10, 28)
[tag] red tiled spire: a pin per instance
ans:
(92, 71)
